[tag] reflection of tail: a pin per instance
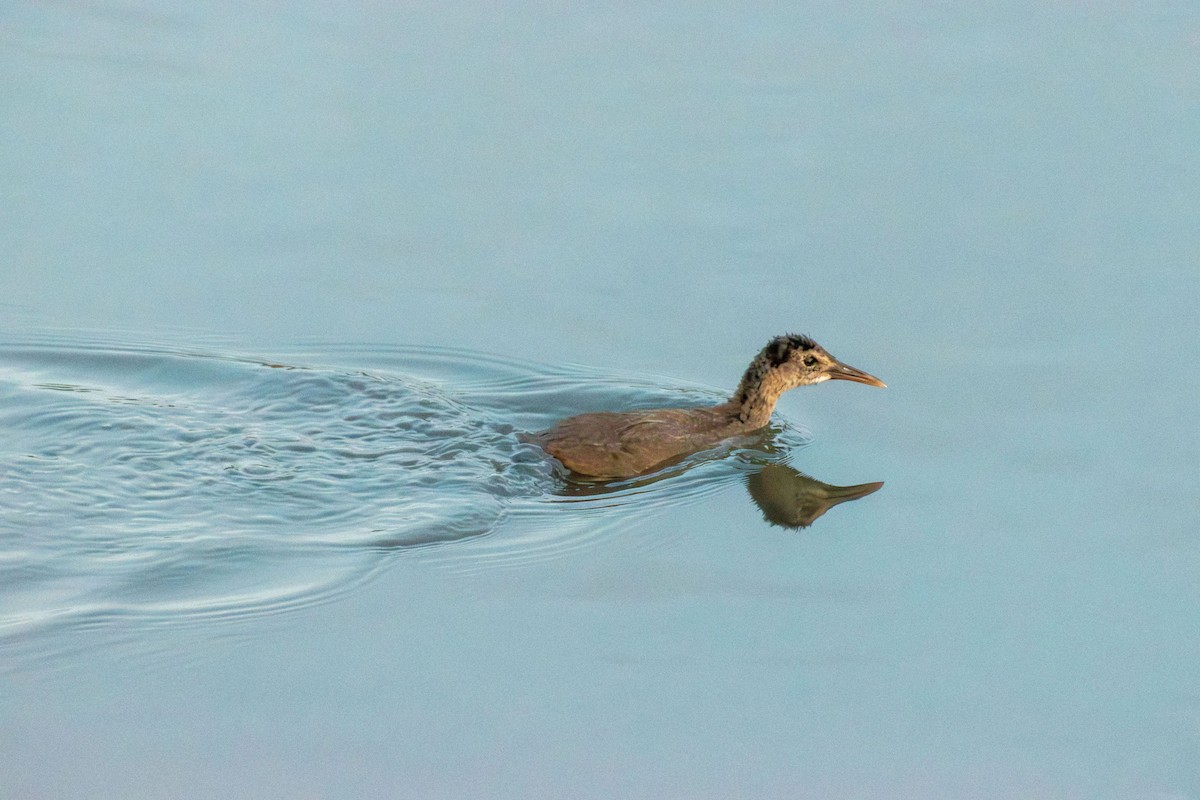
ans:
(794, 500)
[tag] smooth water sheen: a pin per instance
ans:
(159, 485)
(280, 285)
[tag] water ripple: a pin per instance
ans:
(171, 486)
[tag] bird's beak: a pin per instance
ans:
(845, 372)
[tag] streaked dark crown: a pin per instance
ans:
(780, 349)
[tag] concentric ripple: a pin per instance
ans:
(175, 486)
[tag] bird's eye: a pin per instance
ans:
(810, 361)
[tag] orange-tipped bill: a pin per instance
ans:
(844, 372)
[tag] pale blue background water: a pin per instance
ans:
(993, 208)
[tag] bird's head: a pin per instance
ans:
(799, 361)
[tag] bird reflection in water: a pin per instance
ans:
(791, 499)
(787, 497)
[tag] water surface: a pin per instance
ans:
(278, 289)
(153, 485)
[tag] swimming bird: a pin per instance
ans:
(612, 445)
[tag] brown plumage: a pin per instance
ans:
(623, 444)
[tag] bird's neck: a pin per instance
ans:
(757, 394)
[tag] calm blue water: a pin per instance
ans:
(279, 291)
